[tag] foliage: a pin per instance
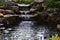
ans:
(23, 1)
(27, 1)
(56, 37)
(57, 4)
(53, 3)
(1, 3)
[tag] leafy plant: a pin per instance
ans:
(57, 4)
(50, 3)
(1, 3)
(56, 37)
(53, 3)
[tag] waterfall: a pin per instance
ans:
(25, 30)
(24, 13)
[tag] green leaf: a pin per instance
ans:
(50, 3)
(1, 3)
(53, 3)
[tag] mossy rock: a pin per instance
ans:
(23, 1)
(15, 1)
(26, 1)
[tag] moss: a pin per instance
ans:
(15, 1)
(23, 1)
(27, 1)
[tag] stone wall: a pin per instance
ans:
(34, 0)
(38, 0)
(6, 0)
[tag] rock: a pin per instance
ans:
(58, 26)
(39, 1)
(50, 14)
(1, 14)
(6, 31)
(9, 11)
(2, 11)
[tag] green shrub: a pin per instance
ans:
(1, 3)
(50, 3)
(53, 3)
(57, 4)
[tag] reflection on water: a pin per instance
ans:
(26, 30)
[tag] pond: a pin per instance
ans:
(26, 30)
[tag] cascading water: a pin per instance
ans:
(26, 30)
(26, 16)
(24, 13)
